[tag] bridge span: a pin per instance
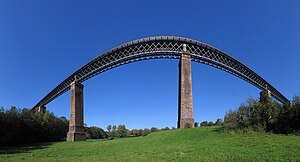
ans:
(157, 47)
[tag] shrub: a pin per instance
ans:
(265, 116)
(94, 132)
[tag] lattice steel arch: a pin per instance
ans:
(162, 47)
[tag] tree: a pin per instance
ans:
(219, 122)
(203, 124)
(210, 124)
(153, 129)
(296, 101)
(96, 133)
(109, 128)
(121, 131)
(289, 118)
(146, 131)
(92, 131)
(136, 132)
(196, 124)
(20, 126)
(264, 116)
(113, 131)
(166, 128)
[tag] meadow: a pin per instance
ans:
(198, 144)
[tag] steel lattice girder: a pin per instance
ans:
(163, 47)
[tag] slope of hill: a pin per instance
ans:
(199, 144)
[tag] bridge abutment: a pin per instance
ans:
(265, 96)
(185, 100)
(41, 109)
(76, 125)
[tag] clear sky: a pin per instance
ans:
(43, 42)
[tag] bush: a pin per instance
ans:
(94, 132)
(266, 116)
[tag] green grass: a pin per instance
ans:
(199, 144)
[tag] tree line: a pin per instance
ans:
(218, 122)
(264, 116)
(19, 126)
(120, 131)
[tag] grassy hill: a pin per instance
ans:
(199, 144)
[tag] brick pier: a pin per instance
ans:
(76, 126)
(185, 99)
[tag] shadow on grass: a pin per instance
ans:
(217, 129)
(25, 148)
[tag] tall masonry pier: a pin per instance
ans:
(185, 99)
(76, 126)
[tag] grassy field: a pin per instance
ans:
(199, 144)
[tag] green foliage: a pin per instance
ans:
(153, 129)
(114, 128)
(230, 121)
(266, 116)
(26, 126)
(196, 124)
(94, 132)
(203, 124)
(136, 132)
(219, 122)
(109, 127)
(289, 118)
(166, 128)
(199, 144)
(210, 124)
(121, 131)
(113, 131)
(146, 131)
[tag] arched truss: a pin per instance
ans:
(163, 47)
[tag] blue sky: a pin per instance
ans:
(43, 42)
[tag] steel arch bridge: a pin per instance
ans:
(162, 47)
(157, 47)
